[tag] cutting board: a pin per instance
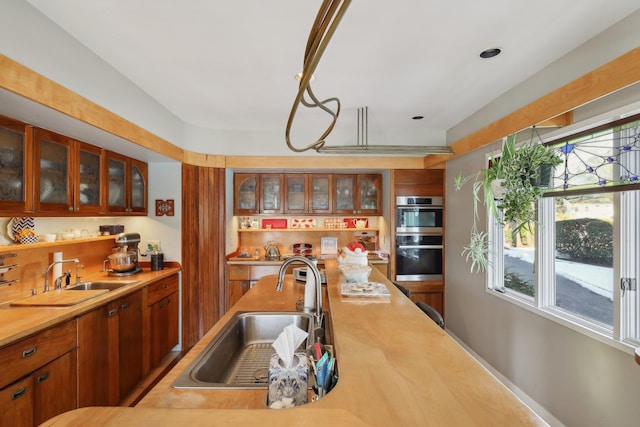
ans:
(60, 298)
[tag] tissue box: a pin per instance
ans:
(288, 386)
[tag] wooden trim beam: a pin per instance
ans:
(610, 77)
(25, 82)
(322, 163)
(562, 120)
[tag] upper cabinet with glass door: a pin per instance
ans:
(246, 194)
(16, 150)
(53, 172)
(357, 194)
(271, 188)
(126, 185)
(307, 194)
(67, 175)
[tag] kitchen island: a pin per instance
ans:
(396, 368)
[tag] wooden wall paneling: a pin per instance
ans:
(202, 250)
(418, 182)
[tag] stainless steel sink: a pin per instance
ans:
(110, 285)
(239, 355)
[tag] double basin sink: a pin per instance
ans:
(238, 356)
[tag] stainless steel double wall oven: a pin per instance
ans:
(419, 243)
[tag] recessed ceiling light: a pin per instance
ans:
(299, 77)
(417, 117)
(490, 53)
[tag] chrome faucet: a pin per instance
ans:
(46, 273)
(316, 275)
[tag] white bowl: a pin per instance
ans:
(67, 235)
(355, 273)
(48, 237)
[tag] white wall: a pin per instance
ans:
(580, 380)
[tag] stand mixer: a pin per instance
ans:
(124, 260)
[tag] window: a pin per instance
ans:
(579, 263)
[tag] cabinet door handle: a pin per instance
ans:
(168, 300)
(29, 352)
(244, 285)
(42, 378)
(19, 393)
(124, 306)
(165, 286)
(112, 312)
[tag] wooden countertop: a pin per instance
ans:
(373, 259)
(396, 368)
(20, 322)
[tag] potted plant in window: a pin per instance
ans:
(515, 172)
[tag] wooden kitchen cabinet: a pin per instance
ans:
(307, 194)
(357, 194)
(163, 312)
(126, 185)
(130, 342)
(241, 277)
(110, 347)
(16, 163)
(238, 283)
(271, 193)
(17, 404)
(55, 388)
(67, 175)
(258, 193)
(245, 194)
(38, 378)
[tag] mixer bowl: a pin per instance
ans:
(122, 261)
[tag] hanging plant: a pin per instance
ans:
(515, 172)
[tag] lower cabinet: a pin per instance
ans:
(163, 308)
(38, 377)
(54, 388)
(110, 348)
(240, 279)
(17, 403)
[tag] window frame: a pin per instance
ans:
(626, 309)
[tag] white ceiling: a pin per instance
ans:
(231, 64)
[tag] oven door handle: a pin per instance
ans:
(438, 208)
(420, 246)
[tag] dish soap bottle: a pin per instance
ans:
(310, 289)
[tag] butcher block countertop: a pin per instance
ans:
(48, 309)
(396, 368)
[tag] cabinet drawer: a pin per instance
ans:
(161, 289)
(24, 357)
(238, 272)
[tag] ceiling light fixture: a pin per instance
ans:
(490, 53)
(298, 77)
(362, 144)
(325, 24)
